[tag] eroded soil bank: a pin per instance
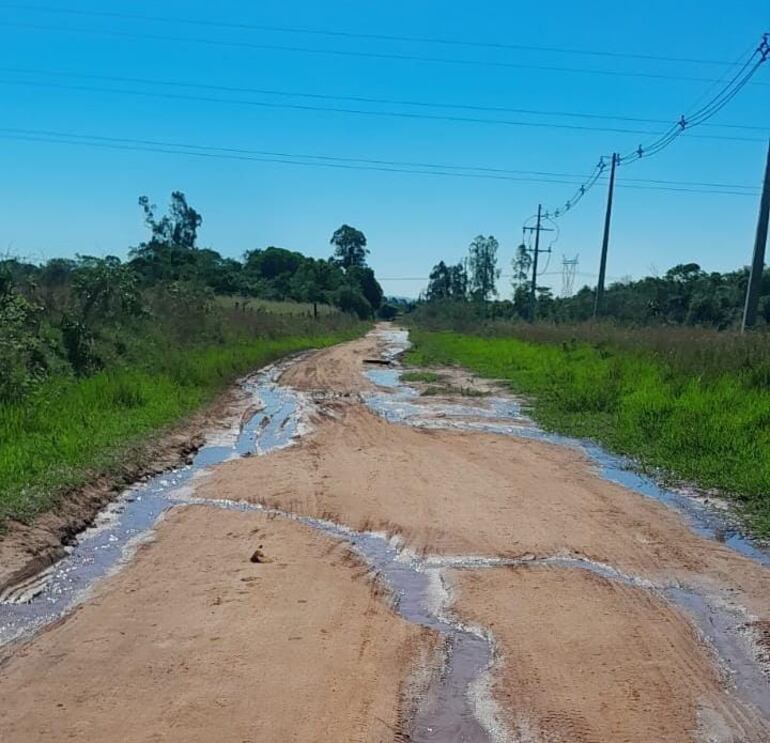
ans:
(605, 616)
(26, 548)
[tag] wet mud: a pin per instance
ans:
(457, 704)
(448, 712)
(399, 402)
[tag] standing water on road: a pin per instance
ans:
(448, 712)
(119, 527)
(400, 403)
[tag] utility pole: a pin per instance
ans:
(605, 239)
(758, 263)
(537, 229)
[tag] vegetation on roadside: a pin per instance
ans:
(694, 405)
(71, 429)
(97, 354)
(683, 295)
(420, 376)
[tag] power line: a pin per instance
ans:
(349, 163)
(738, 81)
(355, 111)
(358, 35)
(354, 99)
(352, 53)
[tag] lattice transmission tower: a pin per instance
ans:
(568, 271)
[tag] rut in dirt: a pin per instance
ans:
(458, 704)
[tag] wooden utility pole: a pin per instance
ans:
(533, 297)
(758, 262)
(537, 229)
(605, 240)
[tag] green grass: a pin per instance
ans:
(420, 376)
(712, 430)
(71, 429)
(276, 307)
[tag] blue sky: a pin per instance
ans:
(62, 199)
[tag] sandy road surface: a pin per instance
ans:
(193, 642)
(457, 493)
(587, 659)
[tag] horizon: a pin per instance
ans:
(65, 198)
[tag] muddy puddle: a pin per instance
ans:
(119, 527)
(418, 595)
(400, 403)
(457, 704)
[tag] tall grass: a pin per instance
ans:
(72, 428)
(707, 422)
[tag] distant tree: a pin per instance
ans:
(482, 268)
(349, 247)
(106, 288)
(447, 282)
(684, 273)
(458, 281)
(363, 279)
(221, 275)
(179, 227)
(169, 254)
(272, 262)
(350, 300)
(439, 283)
(387, 312)
(521, 266)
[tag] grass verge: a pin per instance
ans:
(712, 430)
(420, 376)
(71, 429)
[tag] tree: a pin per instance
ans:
(439, 283)
(179, 227)
(447, 282)
(169, 254)
(362, 278)
(349, 247)
(521, 265)
(106, 288)
(458, 281)
(350, 300)
(482, 267)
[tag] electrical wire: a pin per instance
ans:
(347, 163)
(355, 111)
(354, 99)
(239, 26)
(737, 82)
(111, 33)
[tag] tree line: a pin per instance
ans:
(684, 295)
(71, 314)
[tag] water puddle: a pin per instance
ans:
(400, 403)
(724, 628)
(457, 706)
(102, 548)
(448, 712)
(418, 595)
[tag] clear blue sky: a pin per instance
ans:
(60, 199)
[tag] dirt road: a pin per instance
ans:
(529, 599)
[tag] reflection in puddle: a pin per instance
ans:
(400, 403)
(449, 711)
